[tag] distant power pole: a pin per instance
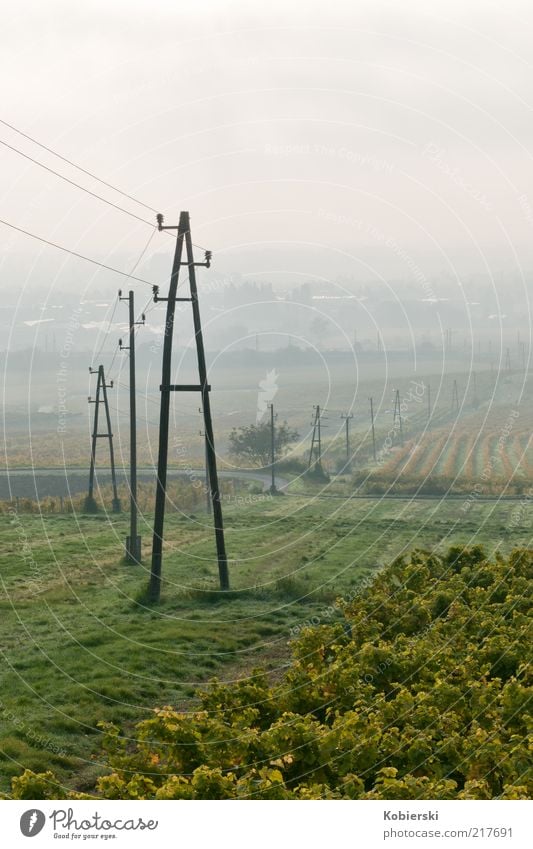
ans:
(101, 398)
(398, 414)
(273, 488)
(316, 442)
(474, 387)
(347, 418)
(373, 429)
(429, 401)
(455, 398)
(508, 360)
(133, 542)
(184, 239)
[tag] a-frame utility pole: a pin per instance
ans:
(101, 398)
(316, 442)
(398, 414)
(184, 240)
(133, 542)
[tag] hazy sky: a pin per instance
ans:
(305, 138)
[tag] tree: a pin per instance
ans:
(253, 442)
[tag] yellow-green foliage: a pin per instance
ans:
(422, 693)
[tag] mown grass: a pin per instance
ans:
(79, 645)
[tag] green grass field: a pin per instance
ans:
(79, 646)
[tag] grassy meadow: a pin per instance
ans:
(79, 645)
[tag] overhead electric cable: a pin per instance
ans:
(74, 253)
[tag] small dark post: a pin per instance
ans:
(429, 402)
(373, 429)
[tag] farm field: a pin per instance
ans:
(489, 452)
(80, 646)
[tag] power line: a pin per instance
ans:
(84, 171)
(73, 164)
(77, 185)
(74, 253)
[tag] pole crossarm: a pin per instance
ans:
(185, 387)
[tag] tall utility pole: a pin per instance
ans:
(184, 239)
(101, 398)
(373, 428)
(347, 418)
(398, 414)
(133, 542)
(273, 488)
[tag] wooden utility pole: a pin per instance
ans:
(184, 240)
(316, 442)
(273, 488)
(455, 398)
(133, 541)
(347, 418)
(373, 428)
(101, 398)
(398, 414)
